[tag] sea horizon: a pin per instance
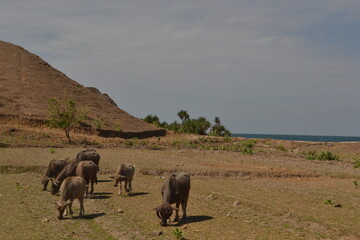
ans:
(298, 137)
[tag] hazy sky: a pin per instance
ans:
(279, 66)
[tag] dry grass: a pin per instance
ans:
(274, 193)
(280, 197)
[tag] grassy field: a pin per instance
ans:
(233, 196)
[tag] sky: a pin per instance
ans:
(266, 67)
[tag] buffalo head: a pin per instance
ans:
(118, 179)
(164, 212)
(61, 208)
(55, 187)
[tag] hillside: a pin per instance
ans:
(28, 82)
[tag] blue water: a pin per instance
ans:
(312, 138)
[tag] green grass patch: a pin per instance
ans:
(21, 169)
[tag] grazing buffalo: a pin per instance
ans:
(87, 170)
(125, 172)
(176, 190)
(71, 188)
(89, 154)
(68, 171)
(53, 170)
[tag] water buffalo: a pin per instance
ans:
(71, 188)
(176, 190)
(87, 170)
(68, 171)
(125, 172)
(53, 170)
(89, 154)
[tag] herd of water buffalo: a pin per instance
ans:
(72, 177)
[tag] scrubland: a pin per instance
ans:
(271, 192)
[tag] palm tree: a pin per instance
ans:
(183, 115)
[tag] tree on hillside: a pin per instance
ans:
(65, 115)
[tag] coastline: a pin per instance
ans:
(305, 138)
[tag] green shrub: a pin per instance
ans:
(311, 155)
(227, 139)
(356, 162)
(281, 148)
(52, 150)
(99, 123)
(246, 150)
(117, 127)
(249, 143)
(130, 143)
(178, 234)
(326, 155)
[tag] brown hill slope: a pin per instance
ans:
(27, 83)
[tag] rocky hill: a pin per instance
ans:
(27, 83)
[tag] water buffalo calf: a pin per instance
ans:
(71, 188)
(125, 172)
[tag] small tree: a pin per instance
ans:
(64, 115)
(218, 129)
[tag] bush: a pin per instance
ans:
(99, 123)
(52, 150)
(281, 148)
(195, 126)
(356, 162)
(117, 127)
(311, 155)
(326, 155)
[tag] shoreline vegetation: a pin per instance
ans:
(199, 126)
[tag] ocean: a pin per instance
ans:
(312, 138)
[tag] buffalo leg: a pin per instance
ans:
(176, 219)
(183, 206)
(82, 210)
(126, 186)
(70, 212)
(92, 188)
(45, 184)
(86, 190)
(120, 188)
(130, 187)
